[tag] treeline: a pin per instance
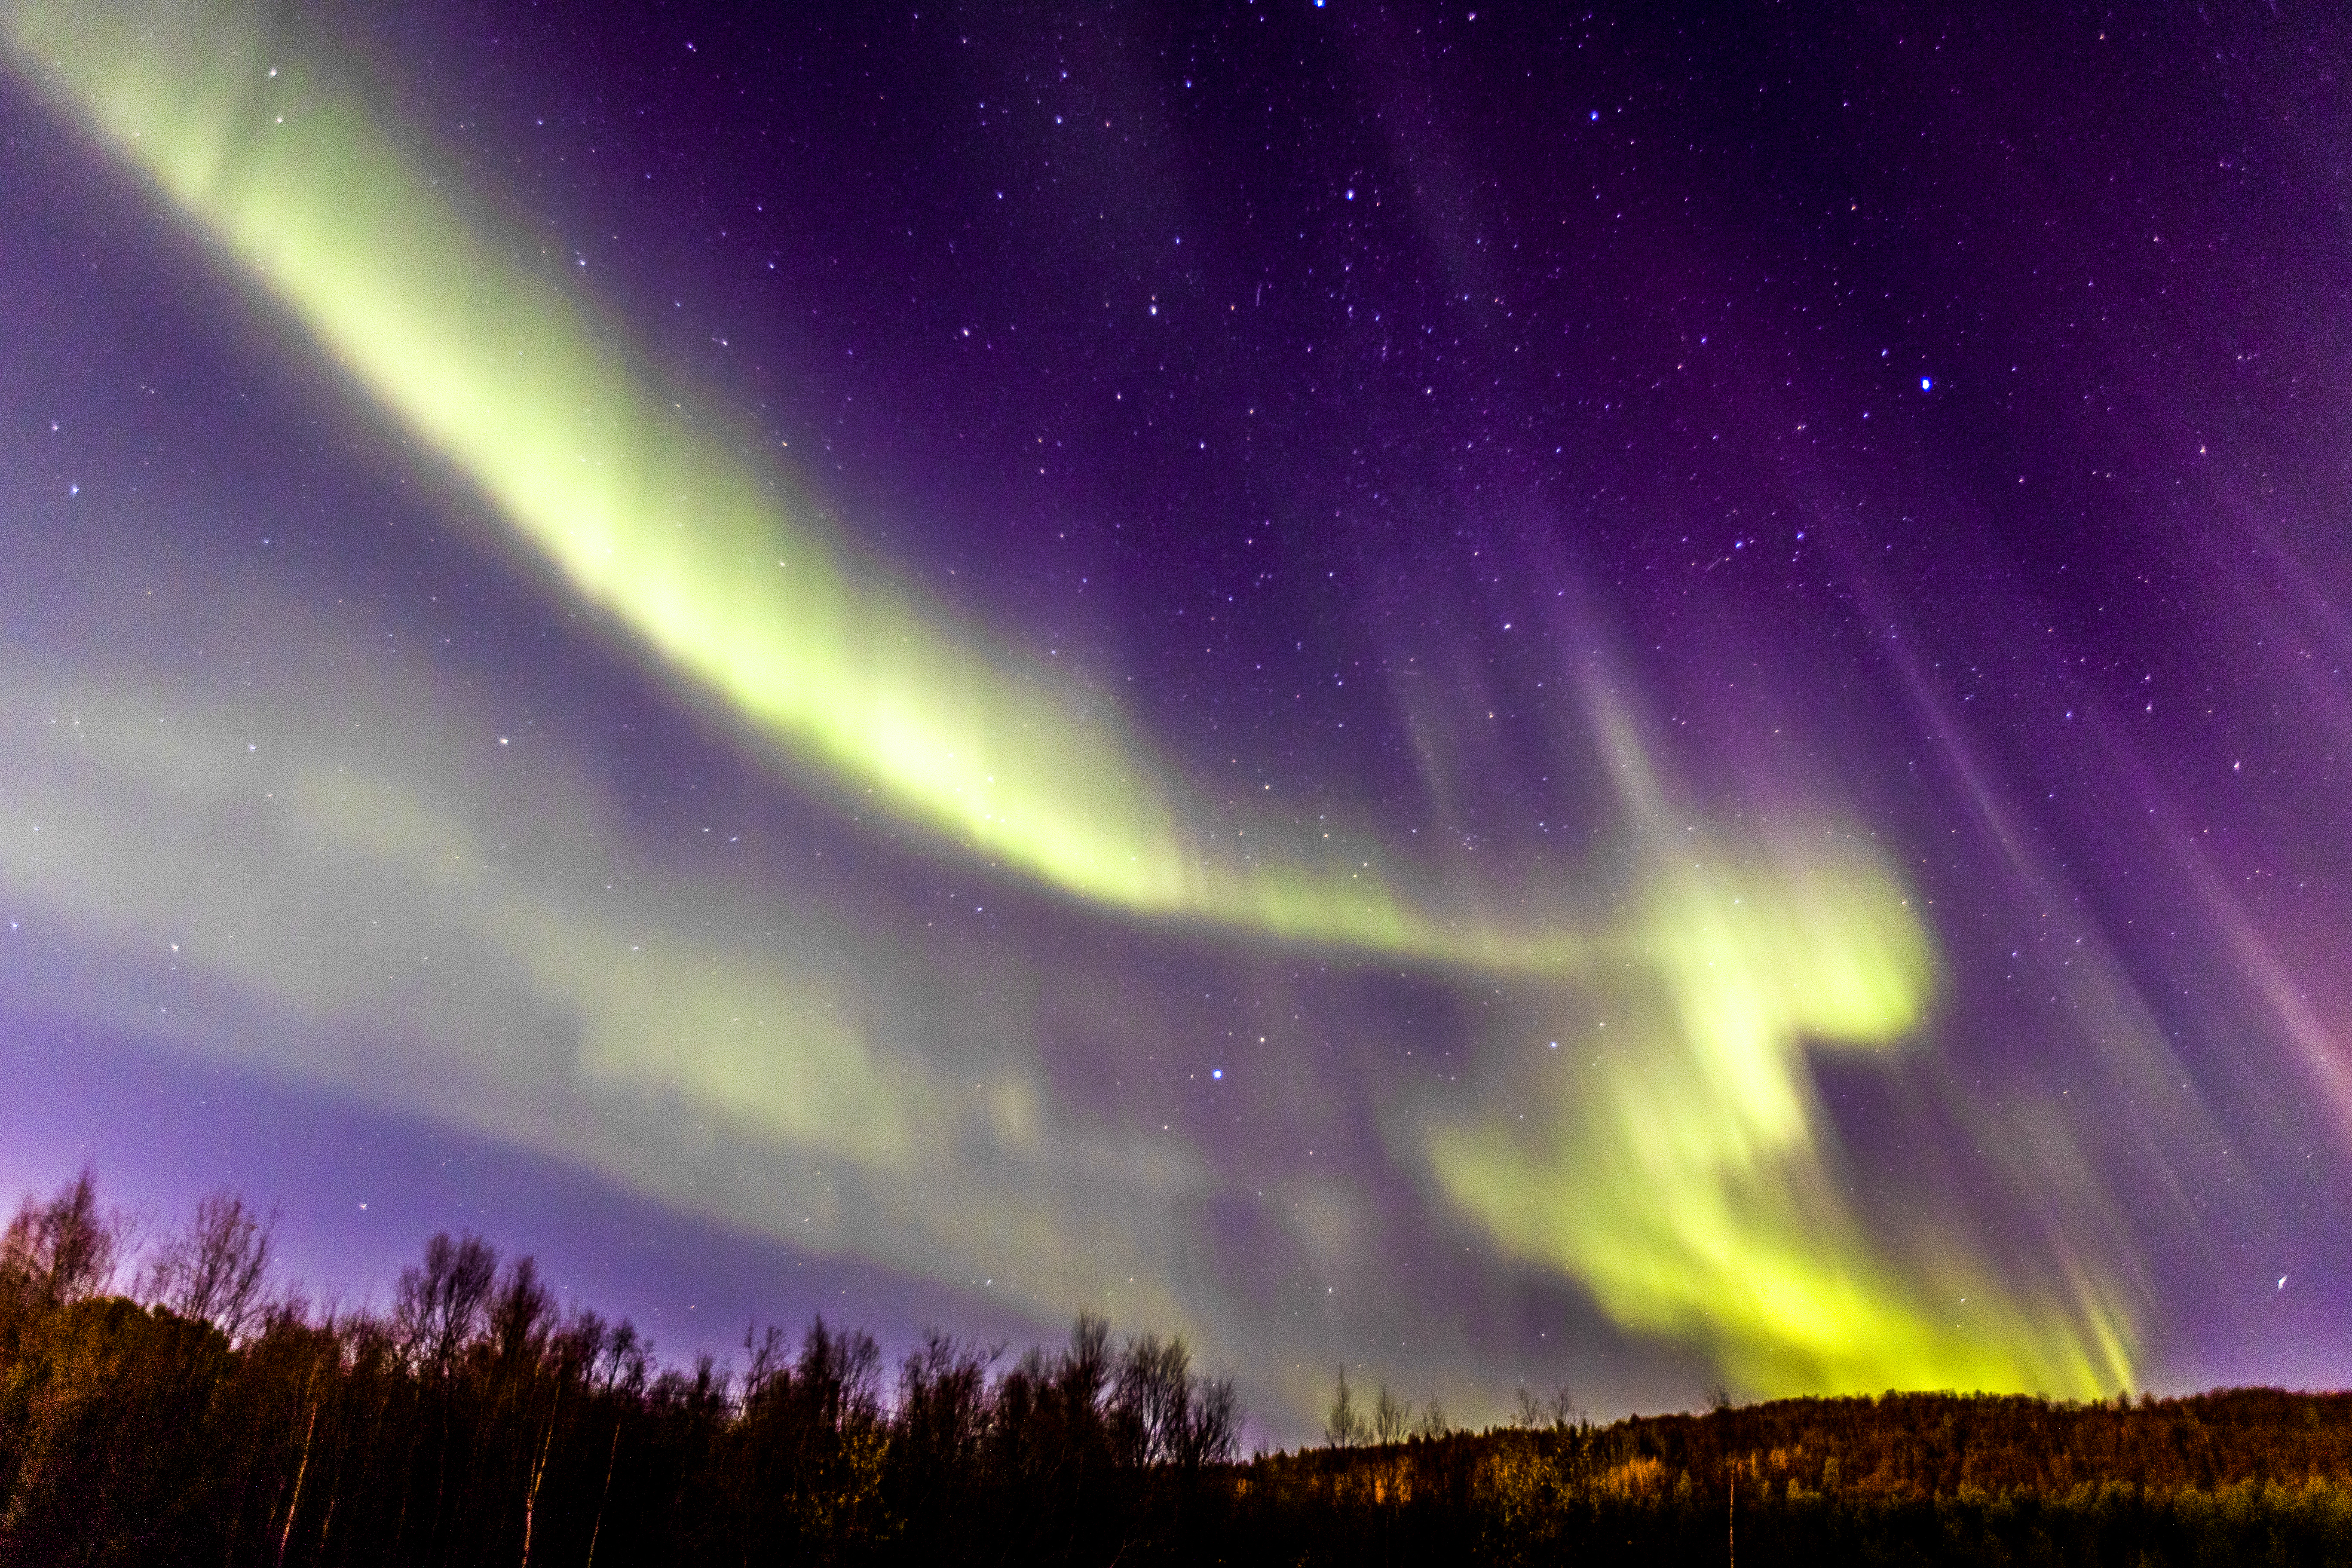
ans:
(2242, 1476)
(199, 1419)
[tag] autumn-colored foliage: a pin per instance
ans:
(2243, 1476)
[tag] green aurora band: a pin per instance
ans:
(1681, 1178)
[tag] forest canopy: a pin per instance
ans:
(202, 1414)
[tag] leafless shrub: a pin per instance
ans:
(63, 1250)
(215, 1270)
(439, 1305)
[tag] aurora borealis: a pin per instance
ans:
(1638, 703)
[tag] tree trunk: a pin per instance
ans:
(538, 1473)
(301, 1472)
(610, 1460)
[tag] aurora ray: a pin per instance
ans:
(1689, 1178)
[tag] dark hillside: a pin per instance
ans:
(2248, 1475)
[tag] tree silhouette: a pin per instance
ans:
(63, 1250)
(215, 1270)
(475, 1424)
(1344, 1427)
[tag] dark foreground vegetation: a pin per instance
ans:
(199, 1419)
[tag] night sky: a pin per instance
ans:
(1650, 701)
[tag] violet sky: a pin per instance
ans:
(1638, 701)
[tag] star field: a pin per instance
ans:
(1642, 701)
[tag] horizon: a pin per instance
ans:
(1650, 703)
(138, 1245)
